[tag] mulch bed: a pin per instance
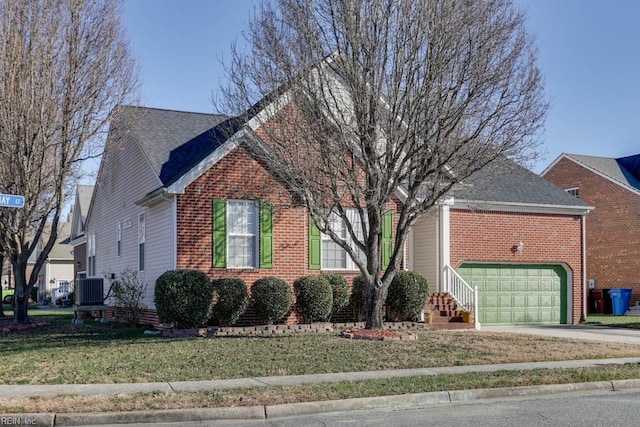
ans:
(378, 335)
(6, 326)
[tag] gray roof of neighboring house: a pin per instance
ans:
(504, 181)
(61, 249)
(624, 170)
(84, 199)
(174, 141)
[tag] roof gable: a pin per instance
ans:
(172, 141)
(624, 171)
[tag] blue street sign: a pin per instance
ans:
(11, 201)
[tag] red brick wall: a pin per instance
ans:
(613, 227)
(487, 236)
(239, 176)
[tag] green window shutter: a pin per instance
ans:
(219, 233)
(314, 246)
(266, 235)
(387, 238)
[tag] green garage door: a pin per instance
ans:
(518, 294)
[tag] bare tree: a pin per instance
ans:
(374, 102)
(65, 66)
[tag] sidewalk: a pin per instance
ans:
(277, 411)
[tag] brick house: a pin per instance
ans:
(184, 190)
(515, 236)
(612, 186)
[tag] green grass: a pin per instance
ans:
(630, 322)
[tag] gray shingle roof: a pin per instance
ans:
(84, 199)
(504, 181)
(624, 170)
(174, 141)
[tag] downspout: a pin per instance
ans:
(445, 249)
(174, 208)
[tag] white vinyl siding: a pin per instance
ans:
(426, 242)
(242, 234)
(125, 178)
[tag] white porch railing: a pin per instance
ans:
(464, 295)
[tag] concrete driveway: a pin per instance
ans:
(581, 332)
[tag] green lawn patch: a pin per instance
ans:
(629, 322)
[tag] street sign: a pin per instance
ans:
(11, 201)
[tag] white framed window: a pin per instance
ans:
(242, 234)
(91, 254)
(334, 257)
(141, 241)
(119, 239)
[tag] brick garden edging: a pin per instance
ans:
(221, 331)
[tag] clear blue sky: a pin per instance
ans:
(589, 52)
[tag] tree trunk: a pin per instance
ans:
(21, 298)
(2, 315)
(375, 296)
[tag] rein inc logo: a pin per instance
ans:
(17, 421)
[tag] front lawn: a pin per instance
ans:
(96, 353)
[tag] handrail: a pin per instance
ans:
(464, 295)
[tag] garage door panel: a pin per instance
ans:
(511, 294)
(518, 300)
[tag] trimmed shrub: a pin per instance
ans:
(184, 298)
(357, 298)
(231, 300)
(271, 298)
(340, 291)
(314, 298)
(407, 296)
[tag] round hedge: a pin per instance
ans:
(271, 298)
(357, 299)
(340, 291)
(314, 298)
(408, 293)
(232, 300)
(184, 298)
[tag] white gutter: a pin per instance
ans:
(480, 205)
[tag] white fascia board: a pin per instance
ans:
(208, 162)
(269, 111)
(521, 207)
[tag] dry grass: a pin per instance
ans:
(306, 393)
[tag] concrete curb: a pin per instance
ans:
(175, 415)
(309, 408)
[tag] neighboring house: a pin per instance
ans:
(184, 190)
(57, 271)
(612, 186)
(515, 236)
(77, 237)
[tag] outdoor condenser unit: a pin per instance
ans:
(90, 291)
